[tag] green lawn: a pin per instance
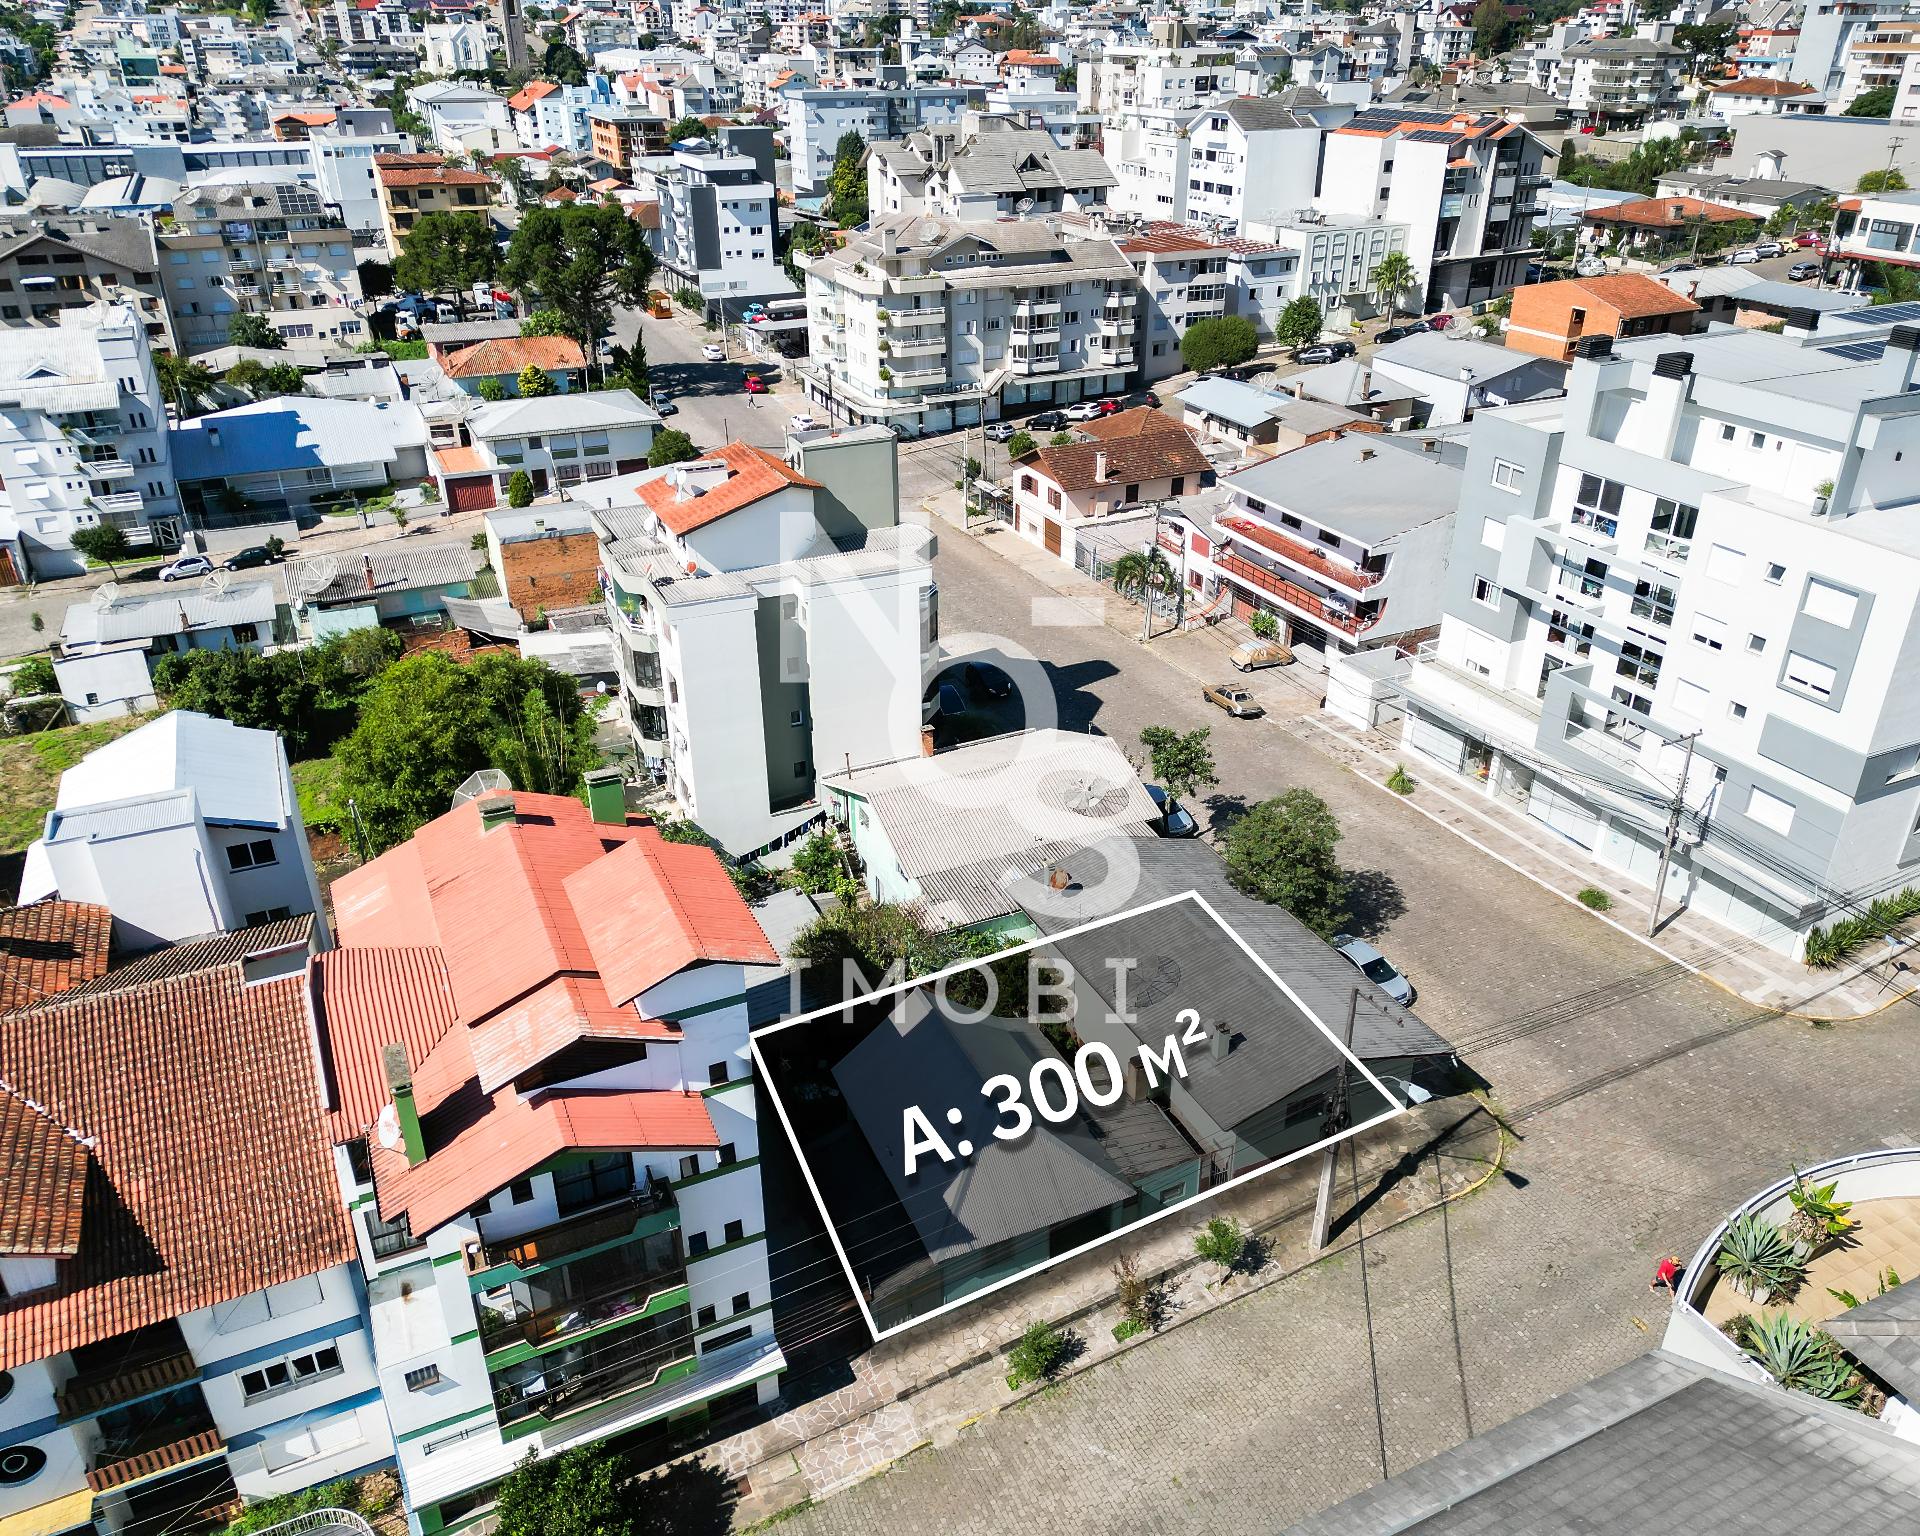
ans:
(30, 769)
(315, 780)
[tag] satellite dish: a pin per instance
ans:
(930, 230)
(105, 593)
(1024, 206)
(219, 581)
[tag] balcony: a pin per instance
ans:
(1452, 205)
(551, 1394)
(1050, 364)
(589, 1229)
(1037, 309)
(108, 466)
(142, 1464)
(1102, 356)
(1036, 333)
(119, 504)
(929, 346)
(1299, 552)
(911, 372)
(627, 1284)
(151, 1436)
(92, 1391)
(931, 314)
(1338, 616)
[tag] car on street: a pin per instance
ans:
(1800, 271)
(1395, 333)
(1744, 258)
(985, 682)
(713, 352)
(1590, 266)
(1810, 240)
(1086, 410)
(802, 421)
(1047, 421)
(1376, 967)
(1679, 266)
(1234, 699)
(1438, 322)
(250, 557)
(1766, 250)
(753, 384)
(183, 566)
(1175, 819)
(665, 407)
(1325, 352)
(1002, 431)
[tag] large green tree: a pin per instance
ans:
(582, 262)
(306, 696)
(686, 128)
(847, 183)
(1889, 180)
(564, 64)
(1282, 851)
(1181, 760)
(1299, 322)
(670, 446)
(1219, 342)
(447, 252)
(185, 382)
(591, 1490)
(1705, 46)
(1875, 103)
(1493, 29)
(251, 330)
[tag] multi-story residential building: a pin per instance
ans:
(1232, 163)
(1828, 29)
(1879, 227)
(561, 441)
(1334, 259)
(927, 323)
(719, 225)
(1182, 277)
(621, 136)
(536, 1033)
(1465, 185)
(817, 119)
(1688, 590)
(772, 622)
(1620, 81)
(50, 262)
(183, 1326)
(549, 116)
(1344, 541)
(1884, 57)
(269, 249)
(84, 429)
(1004, 170)
(411, 185)
(346, 175)
(1120, 80)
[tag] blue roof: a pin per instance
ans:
(292, 432)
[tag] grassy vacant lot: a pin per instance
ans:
(314, 781)
(30, 769)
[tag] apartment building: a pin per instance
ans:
(177, 1337)
(1880, 226)
(1182, 278)
(1885, 57)
(411, 185)
(1692, 583)
(535, 1034)
(184, 826)
(718, 231)
(773, 620)
(927, 323)
(1466, 185)
(1334, 257)
(265, 248)
(1232, 163)
(1619, 82)
(561, 441)
(1003, 171)
(1828, 29)
(816, 119)
(620, 137)
(1127, 77)
(51, 262)
(83, 429)
(1344, 541)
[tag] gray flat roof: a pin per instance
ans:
(1366, 485)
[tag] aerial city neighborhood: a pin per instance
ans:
(936, 767)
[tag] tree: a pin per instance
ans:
(248, 374)
(581, 262)
(1704, 46)
(284, 379)
(544, 322)
(256, 331)
(805, 238)
(1141, 571)
(490, 390)
(103, 544)
(183, 381)
(816, 867)
(1492, 29)
(847, 182)
(581, 1492)
(1889, 180)
(686, 128)
(33, 677)
(564, 64)
(1042, 1350)
(376, 279)
(447, 252)
(534, 382)
(1181, 762)
(306, 696)
(1066, 77)
(520, 489)
(670, 446)
(627, 368)
(1875, 103)
(1222, 1241)
(1394, 274)
(1060, 440)
(1279, 80)
(1220, 342)
(429, 721)
(1282, 852)
(1020, 445)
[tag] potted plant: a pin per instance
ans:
(1759, 1260)
(1822, 494)
(1818, 1219)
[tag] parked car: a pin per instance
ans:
(1679, 266)
(1234, 699)
(1325, 352)
(1047, 421)
(1590, 266)
(1800, 271)
(1438, 322)
(985, 682)
(665, 406)
(1175, 819)
(943, 704)
(182, 566)
(1086, 410)
(1002, 431)
(1376, 967)
(1110, 407)
(253, 555)
(1810, 240)
(1256, 654)
(713, 352)
(802, 422)
(1395, 333)
(1744, 258)
(1766, 250)
(753, 384)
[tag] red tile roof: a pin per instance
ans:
(1137, 446)
(1023, 56)
(1667, 213)
(510, 354)
(41, 1201)
(427, 175)
(48, 947)
(529, 93)
(398, 995)
(213, 1176)
(1758, 87)
(1633, 294)
(751, 474)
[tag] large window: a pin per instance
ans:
(294, 1371)
(1671, 533)
(592, 1182)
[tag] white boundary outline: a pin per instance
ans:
(833, 1236)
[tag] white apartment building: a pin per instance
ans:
(1620, 81)
(1465, 185)
(1003, 170)
(546, 115)
(817, 119)
(1708, 550)
(1885, 57)
(1333, 259)
(546, 1137)
(185, 826)
(1240, 160)
(718, 224)
(1828, 29)
(1885, 227)
(927, 323)
(269, 248)
(1120, 80)
(83, 438)
(773, 621)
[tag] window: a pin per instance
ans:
(1756, 439)
(696, 1245)
(1485, 592)
(419, 1379)
(1756, 644)
(1736, 710)
(268, 915)
(722, 1340)
(1773, 813)
(717, 1073)
(1639, 663)
(1776, 574)
(1053, 499)
(729, 1153)
(1653, 602)
(735, 1230)
(592, 1181)
(706, 1317)
(1829, 604)
(245, 634)
(1509, 477)
(690, 1165)
(388, 1238)
(742, 1303)
(1709, 631)
(1027, 485)
(294, 1371)
(1672, 529)
(520, 1191)
(1327, 536)
(255, 855)
(1809, 676)
(1726, 431)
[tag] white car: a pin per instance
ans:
(802, 422)
(1376, 967)
(1590, 266)
(185, 565)
(1086, 410)
(713, 352)
(1743, 258)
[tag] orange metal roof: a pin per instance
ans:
(752, 473)
(529, 93)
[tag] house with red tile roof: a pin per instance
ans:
(1653, 225)
(1548, 319)
(534, 1034)
(182, 1327)
(504, 358)
(1124, 461)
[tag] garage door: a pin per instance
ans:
(474, 494)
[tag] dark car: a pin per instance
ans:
(984, 682)
(1325, 352)
(1401, 332)
(1048, 421)
(253, 555)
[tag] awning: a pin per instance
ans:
(53, 1517)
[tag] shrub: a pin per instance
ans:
(1760, 1261)
(670, 446)
(1038, 1356)
(1830, 946)
(1399, 781)
(520, 489)
(1060, 440)
(1801, 1357)
(1594, 899)
(1139, 1296)
(1818, 1218)
(1222, 1241)
(33, 676)
(429, 490)
(1218, 342)
(1264, 625)
(1020, 444)
(689, 298)
(816, 867)
(478, 541)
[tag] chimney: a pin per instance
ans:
(366, 567)
(1365, 454)
(1100, 465)
(393, 1058)
(1593, 347)
(889, 240)
(1800, 322)
(1220, 1042)
(496, 811)
(1667, 393)
(1134, 1081)
(607, 797)
(1429, 445)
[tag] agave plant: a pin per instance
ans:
(1759, 1260)
(1818, 1218)
(1800, 1356)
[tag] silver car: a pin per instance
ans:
(1376, 967)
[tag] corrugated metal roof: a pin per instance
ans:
(143, 616)
(324, 579)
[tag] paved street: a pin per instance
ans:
(1646, 1101)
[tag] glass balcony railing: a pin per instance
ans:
(629, 1282)
(579, 1377)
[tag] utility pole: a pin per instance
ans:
(1335, 1122)
(1674, 813)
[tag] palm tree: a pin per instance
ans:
(1393, 277)
(1141, 572)
(183, 381)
